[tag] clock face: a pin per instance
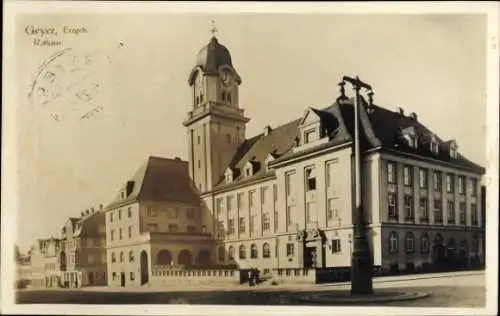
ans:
(226, 76)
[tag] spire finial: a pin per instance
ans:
(213, 30)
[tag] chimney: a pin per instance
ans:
(401, 111)
(100, 206)
(87, 212)
(83, 214)
(267, 130)
(92, 210)
(413, 116)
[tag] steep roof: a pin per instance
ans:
(159, 179)
(379, 128)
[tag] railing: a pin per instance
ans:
(168, 276)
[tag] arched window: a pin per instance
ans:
(122, 257)
(253, 251)
(242, 252)
(393, 242)
(222, 253)
(424, 247)
(113, 257)
(410, 242)
(131, 256)
(231, 253)
(266, 252)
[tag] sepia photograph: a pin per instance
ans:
(161, 157)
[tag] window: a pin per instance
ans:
(122, 257)
(423, 178)
(392, 205)
(173, 212)
(311, 179)
(153, 228)
(229, 97)
(451, 212)
(151, 211)
(266, 222)
(130, 232)
(393, 242)
(461, 185)
(120, 233)
(473, 212)
(242, 225)
(221, 253)
(132, 276)
(424, 208)
(231, 227)
(410, 243)
(131, 256)
(391, 172)
(412, 140)
(223, 95)
(336, 246)
(239, 200)
(252, 223)
(438, 215)
(114, 275)
(219, 208)
(474, 187)
(111, 217)
(290, 250)
(310, 136)
(91, 258)
(242, 252)
(434, 146)
(112, 234)
(251, 199)
(290, 210)
(449, 183)
(199, 163)
(425, 243)
(461, 209)
(191, 229)
(275, 193)
(231, 253)
(220, 229)
(173, 228)
(230, 203)
(437, 181)
(264, 195)
(198, 139)
(276, 220)
(190, 212)
(311, 216)
(228, 138)
(408, 176)
(129, 211)
(203, 228)
(266, 251)
(119, 215)
(331, 210)
(289, 185)
(408, 199)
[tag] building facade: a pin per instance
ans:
(155, 222)
(83, 252)
(283, 199)
(45, 264)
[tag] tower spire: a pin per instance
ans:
(214, 29)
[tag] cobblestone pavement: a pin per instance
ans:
(464, 289)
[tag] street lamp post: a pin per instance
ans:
(361, 262)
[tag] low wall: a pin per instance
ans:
(294, 275)
(168, 277)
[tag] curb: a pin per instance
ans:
(375, 298)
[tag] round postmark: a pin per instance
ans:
(69, 82)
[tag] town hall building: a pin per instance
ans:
(283, 199)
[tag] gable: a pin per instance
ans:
(310, 117)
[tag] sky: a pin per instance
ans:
(434, 65)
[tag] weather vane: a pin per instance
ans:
(213, 30)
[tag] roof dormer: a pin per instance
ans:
(434, 144)
(250, 168)
(270, 157)
(453, 148)
(411, 137)
(229, 175)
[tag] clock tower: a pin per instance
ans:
(215, 123)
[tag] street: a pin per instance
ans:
(454, 289)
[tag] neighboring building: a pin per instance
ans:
(45, 265)
(23, 271)
(83, 252)
(155, 221)
(284, 198)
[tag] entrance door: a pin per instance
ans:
(123, 279)
(310, 257)
(144, 268)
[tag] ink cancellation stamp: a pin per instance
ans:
(292, 163)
